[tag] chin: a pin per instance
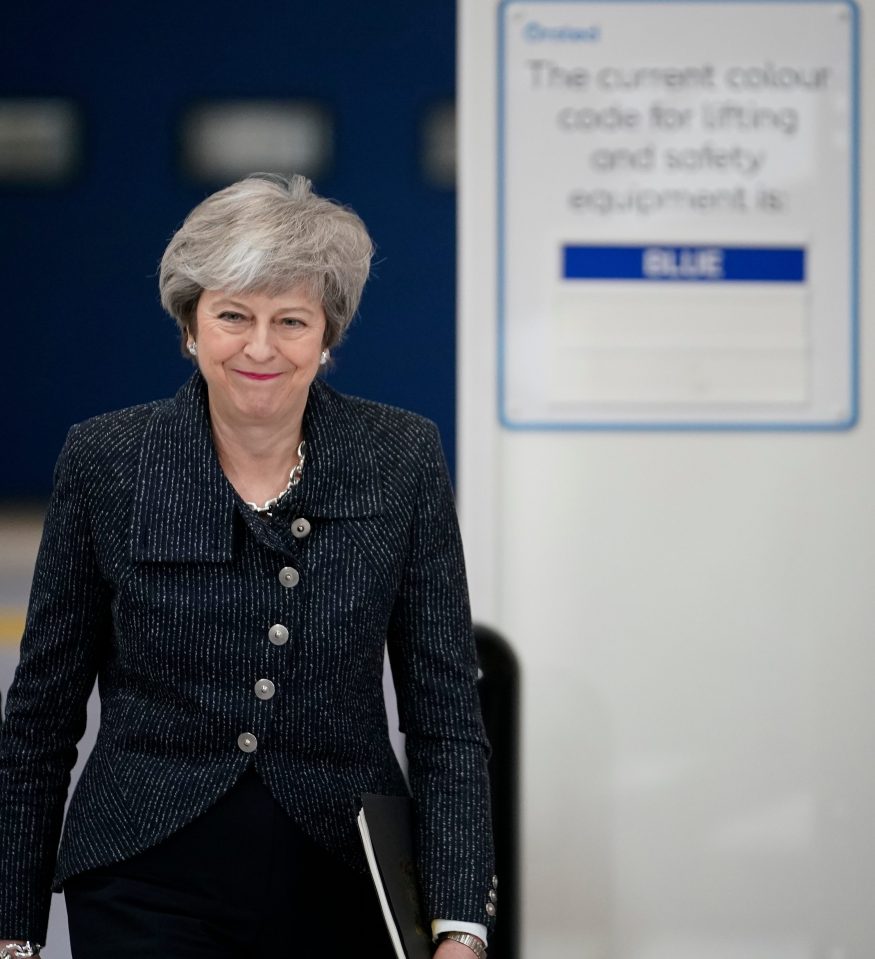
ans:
(259, 411)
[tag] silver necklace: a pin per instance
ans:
(294, 478)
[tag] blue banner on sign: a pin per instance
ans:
(714, 264)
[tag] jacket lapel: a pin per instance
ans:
(341, 475)
(184, 506)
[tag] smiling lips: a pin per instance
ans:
(258, 376)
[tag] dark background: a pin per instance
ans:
(84, 331)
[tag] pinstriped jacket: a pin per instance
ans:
(154, 578)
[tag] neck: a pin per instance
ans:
(256, 457)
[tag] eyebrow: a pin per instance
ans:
(240, 305)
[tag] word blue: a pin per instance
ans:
(697, 264)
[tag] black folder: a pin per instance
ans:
(386, 826)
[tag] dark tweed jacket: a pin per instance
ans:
(155, 578)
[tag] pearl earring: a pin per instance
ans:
(323, 359)
(192, 347)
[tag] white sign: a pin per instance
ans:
(678, 194)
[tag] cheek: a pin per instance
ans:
(218, 352)
(303, 358)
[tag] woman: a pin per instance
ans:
(230, 564)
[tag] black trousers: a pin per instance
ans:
(241, 880)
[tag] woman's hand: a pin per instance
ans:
(449, 949)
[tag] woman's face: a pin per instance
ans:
(259, 353)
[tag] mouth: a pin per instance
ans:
(258, 376)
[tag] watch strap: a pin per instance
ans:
(466, 939)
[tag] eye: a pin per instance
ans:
(291, 322)
(231, 316)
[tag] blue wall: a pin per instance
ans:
(84, 329)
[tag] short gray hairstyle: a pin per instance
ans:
(268, 234)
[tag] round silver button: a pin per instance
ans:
(300, 527)
(490, 908)
(493, 895)
(264, 689)
(495, 882)
(278, 635)
(289, 576)
(247, 742)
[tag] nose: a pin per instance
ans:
(259, 342)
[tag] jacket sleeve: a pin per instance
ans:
(67, 622)
(434, 664)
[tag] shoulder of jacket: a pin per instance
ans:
(383, 417)
(110, 436)
(131, 419)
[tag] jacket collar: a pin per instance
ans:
(184, 506)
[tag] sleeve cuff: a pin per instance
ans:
(450, 925)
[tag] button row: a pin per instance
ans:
(492, 898)
(277, 634)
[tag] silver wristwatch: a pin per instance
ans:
(16, 950)
(466, 939)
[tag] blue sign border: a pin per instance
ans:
(854, 279)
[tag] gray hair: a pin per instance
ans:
(268, 234)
